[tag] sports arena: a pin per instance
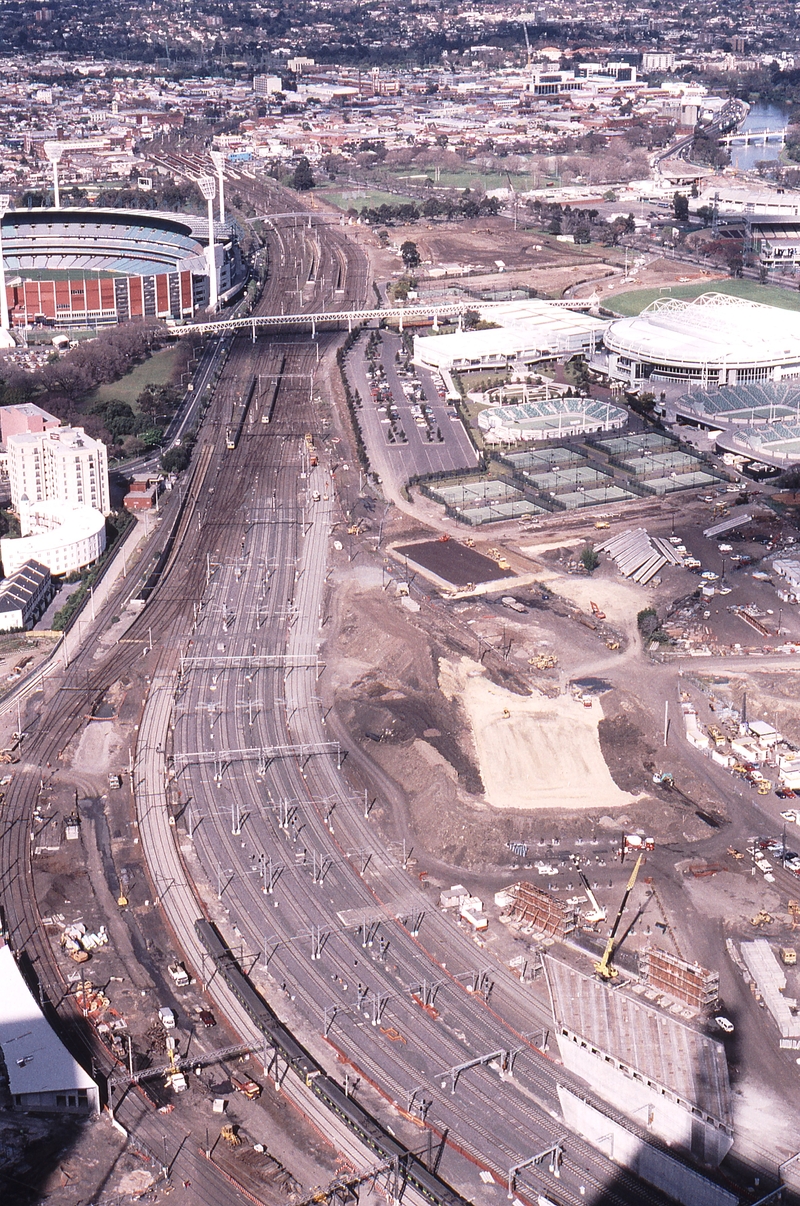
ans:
(94, 267)
(549, 418)
(715, 339)
(757, 420)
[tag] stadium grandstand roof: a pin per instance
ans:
(713, 330)
(50, 242)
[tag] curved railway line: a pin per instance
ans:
(353, 935)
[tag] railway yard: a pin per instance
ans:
(327, 704)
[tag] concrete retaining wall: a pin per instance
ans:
(654, 1166)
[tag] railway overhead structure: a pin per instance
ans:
(338, 942)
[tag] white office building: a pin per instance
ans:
(60, 465)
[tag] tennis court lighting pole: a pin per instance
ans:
(5, 198)
(208, 188)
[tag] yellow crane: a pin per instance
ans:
(604, 968)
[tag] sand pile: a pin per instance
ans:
(533, 752)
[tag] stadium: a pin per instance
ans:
(715, 339)
(93, 267)
(761, 421)
(549, 418)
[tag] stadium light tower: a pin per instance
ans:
(54, 151)
(208, 188)
(4, 321)
(218, 159)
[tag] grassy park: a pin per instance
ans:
(633, 302)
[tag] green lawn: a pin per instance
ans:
(160, 369)
(357, 198)
(466, 178)
(634, 302)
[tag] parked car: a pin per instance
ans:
(724, 1024)
(207, 1017)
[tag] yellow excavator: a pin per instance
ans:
(604, 968)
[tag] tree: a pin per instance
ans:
(303, 177)
(680, 207)
(410, 254)
(590, 559)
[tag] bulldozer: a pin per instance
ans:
(761, 918)
(543, 661)
(663, 779)
(229, 1134)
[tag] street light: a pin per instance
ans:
(54, 151)
(208, 188)
(5, 325)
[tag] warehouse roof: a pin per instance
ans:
(658, 1047)
(35, 1058)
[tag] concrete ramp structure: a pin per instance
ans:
(662, 1074)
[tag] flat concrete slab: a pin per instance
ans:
(453, 562)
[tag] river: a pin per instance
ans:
(760, 117)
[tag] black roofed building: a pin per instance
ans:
(24, 596)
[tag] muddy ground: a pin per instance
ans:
(385, 665)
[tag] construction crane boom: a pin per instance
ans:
(597, 913)
(604, 968)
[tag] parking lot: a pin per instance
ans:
(413, 433)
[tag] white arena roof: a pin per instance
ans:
(526, 331)
(712, 333)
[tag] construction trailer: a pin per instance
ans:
(688, 983)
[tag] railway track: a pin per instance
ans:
(164, 622)
(239, 545)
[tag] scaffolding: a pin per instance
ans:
(686, 982)
(541, 911)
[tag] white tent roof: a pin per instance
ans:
(36, 1059)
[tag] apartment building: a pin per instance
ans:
(60, 465)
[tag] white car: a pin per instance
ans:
(725, 1024)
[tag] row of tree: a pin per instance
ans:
(467, 206)
(179, 195)
(63, 385)
(585, 225)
